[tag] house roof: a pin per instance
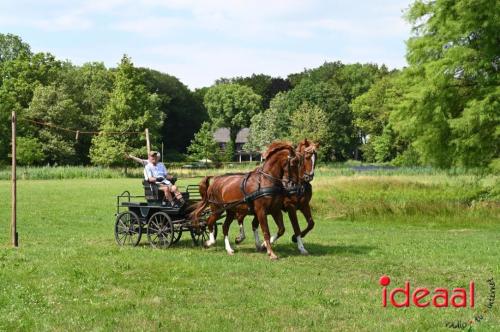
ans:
(221, 135)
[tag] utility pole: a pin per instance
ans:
(13, 230)
(148, 146)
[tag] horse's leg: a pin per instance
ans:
(278, 219)
(306, 211)
(255, 228)
(210, 224)
(261, 215)
(225, 231)
(292, 213)
(241, 236)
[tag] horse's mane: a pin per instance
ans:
(275, 147)
(307, 146)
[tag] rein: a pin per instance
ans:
(286, 185)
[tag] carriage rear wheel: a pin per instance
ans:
(177, 235)
(160, 230)
(201, 234)
(128, 229)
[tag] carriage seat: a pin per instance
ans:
(151, 191)
(153, 194)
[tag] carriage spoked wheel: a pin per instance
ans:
(160, 230)
(201, 234)
(177, 233)
(128, 229)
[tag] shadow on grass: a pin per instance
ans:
(282, 250)
(316, 249)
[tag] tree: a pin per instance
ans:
(270, 125)
(11, 47)
(311, 122)
(204, 146)
(130, 109)
(264, 85)
(231, 106)
(90, 87)
(180, 106)
(372, 112)
(328, 97)
(452, 82)
(29, 151)
(50, 104)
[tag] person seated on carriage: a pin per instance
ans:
(156, 172)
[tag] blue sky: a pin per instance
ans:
(199, 41)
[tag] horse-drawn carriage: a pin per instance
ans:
(163, 225)
(279, 184)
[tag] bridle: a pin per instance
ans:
(286, 181)
(308, 177)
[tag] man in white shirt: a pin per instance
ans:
(156, 172)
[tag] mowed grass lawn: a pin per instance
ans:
(69, 275)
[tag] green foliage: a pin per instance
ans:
(371, 110)
(51, 104)
(442, 110)
(19, 77)
(265, 86)
(229, 151)
(203, 146)
(130, 109)
(353, 79)
(179, 106)
(451, 83)
(329, 98)
(29, 151)
(270, 125)
(311, 122)
(231, 106)
(477, 132)
(11, 47)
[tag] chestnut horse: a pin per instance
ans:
(298, 200)
(259, 192)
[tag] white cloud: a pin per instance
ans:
(152, 26)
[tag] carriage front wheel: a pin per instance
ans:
(128, 229)
(201, 234)
(160, 230)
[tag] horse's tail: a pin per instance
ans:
(201, 205)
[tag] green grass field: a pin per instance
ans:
(435, 230)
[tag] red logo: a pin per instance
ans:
(422, 297)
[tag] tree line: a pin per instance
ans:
(443, 109)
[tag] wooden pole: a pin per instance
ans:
(14, 235)
(147, 141)
(162, 155)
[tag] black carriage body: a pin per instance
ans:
(142, 215)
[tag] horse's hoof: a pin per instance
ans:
(304, 252)
(230, 252)
(294, 239)
(238, 240)
(273, 257)
(207, 244)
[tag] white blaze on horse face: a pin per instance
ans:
(313, 158)
(229, 250)
(300, 245)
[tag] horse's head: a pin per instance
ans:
(284, 163)
(307, 150)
